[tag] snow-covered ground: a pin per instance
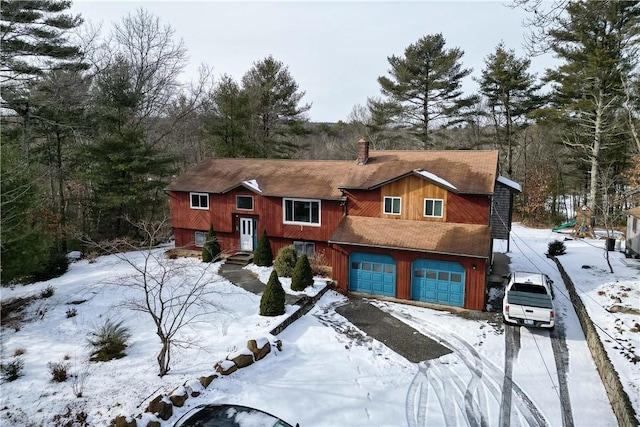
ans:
(328, 373)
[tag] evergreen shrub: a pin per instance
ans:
(302, 275)
(211, 249)
(263, 255)
(557, 248)
(273, 297)
(285, 261)
(12, 370)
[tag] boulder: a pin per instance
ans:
(122, 421)
(259, 348)
(179, 396)
(161, 406)
(205, 381)
(154, 424)
(226, 367)
(242, 360)
(195, 387)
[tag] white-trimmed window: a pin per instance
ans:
(199, 238)
(433, 208)
(244, 203)
(305, 248)
(392, 205)
(199, 200)
(301, 211)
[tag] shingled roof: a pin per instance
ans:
(434, 237)
(470, 172)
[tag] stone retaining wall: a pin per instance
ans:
(618, 398)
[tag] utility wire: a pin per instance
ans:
(625, 346)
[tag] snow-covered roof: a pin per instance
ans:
(253, 185)
(435, 178)
(509, 183)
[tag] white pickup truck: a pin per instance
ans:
(528, 300)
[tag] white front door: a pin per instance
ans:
(246, 234)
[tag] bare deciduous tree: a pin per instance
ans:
(175, 293)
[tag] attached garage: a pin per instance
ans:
(372, 274)
(440, 282)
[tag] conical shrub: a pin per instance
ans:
(302, 275)
(263, 255)
(557, 248)
(286, 261)
(211, 249)
(272, 301)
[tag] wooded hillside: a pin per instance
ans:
(95, 126)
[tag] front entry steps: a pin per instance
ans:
(240, 258)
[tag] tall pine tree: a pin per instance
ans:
(597, 43)
(426, 83)
(276, 112)
(510, 91)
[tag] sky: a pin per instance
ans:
(334, 50)
(328, 373)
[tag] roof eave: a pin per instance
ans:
(408, 249)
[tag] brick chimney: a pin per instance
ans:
(363, 152)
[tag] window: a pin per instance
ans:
(433, 207)
(634, 225)
(304, 212)
(392, 205)
(305, 248)
(244, 203)
(199, 238)
(199, 200)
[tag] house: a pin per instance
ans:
(414, 225)
(632, 246)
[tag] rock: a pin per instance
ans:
(154, 424)
(226, 367)
(179, 396)
(623, 309)
(259, 349)
(161, 406)
(278, 345)
(122, 421)
(243, 360)
(205, 381)
(195, 387)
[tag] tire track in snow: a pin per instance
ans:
(511, 350)
(487, 377)
(561, 356)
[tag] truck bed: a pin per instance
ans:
(529, 299)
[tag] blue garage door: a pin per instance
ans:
(373, 274)
(440, 282)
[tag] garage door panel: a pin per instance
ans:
(373, 273)
(439, 282)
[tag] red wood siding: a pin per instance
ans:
(364, 203)
(225, 218)
(468, 209)
(475, 285)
